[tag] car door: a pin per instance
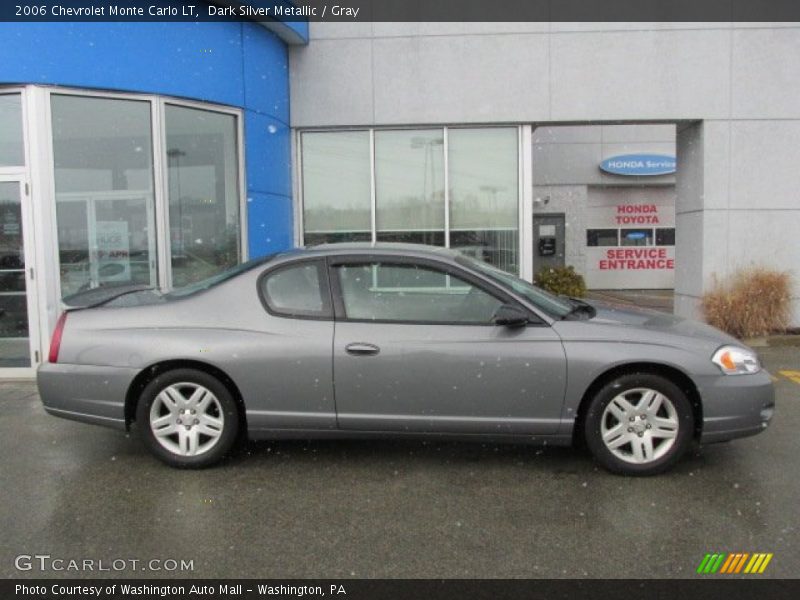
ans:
(288, 370)
(415, 349)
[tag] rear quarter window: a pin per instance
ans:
(297, 290)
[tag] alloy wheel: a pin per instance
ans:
(639, 425)
(186, 419)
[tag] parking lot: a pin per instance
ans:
(393, 508)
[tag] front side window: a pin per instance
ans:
(545, 301)
(410, 293)
(297, 290)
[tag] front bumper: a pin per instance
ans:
(735, 406)
(85, 393)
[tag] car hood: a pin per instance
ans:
(656, 322)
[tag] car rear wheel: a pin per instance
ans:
(187, 418)
(639, 424)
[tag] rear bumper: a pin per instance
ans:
(85, 393)
(736, 406)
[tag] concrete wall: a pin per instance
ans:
(570, 155)
(737, 177)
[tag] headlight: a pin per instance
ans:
(736, 361)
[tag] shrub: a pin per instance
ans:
(561, 280)
(752, 302)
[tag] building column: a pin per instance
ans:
(701, 211)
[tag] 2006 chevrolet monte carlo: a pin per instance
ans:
(366, 340)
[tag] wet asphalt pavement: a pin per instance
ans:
(393, 508)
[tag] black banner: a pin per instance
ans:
(401, 10)
(722, 588)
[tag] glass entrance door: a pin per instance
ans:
(16, 306)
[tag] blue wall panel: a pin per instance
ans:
(266, 73)
(270, 221)
(232, 63)
(193, 60)
(269, 148)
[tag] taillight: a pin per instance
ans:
(55, 341)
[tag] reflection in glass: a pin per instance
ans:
(636, 237)
(665, 237)
(483, 178)
(412, 293)
(409, 186)
(14, 344)
(336, 187)
(11, 146)
(602, 237)
(203, 188)
(102, 150)
(296, 290)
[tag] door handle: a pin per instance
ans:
(362, 349)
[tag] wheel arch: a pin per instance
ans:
(149, 373)
(674, 374)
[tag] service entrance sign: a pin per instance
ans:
(641, 259)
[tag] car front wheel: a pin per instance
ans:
(639, 424)
(187, 418)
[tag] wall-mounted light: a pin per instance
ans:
(541, 201)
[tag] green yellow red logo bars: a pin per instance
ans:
(731, 563)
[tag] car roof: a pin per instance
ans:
(415, 250)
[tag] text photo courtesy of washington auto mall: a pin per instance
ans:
(399, 299)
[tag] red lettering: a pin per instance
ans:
(636, 208)
(635, 260)
(638, 220)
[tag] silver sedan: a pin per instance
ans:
(362, 340)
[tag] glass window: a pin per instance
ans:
(553, 305)
(203, 191)
(483, 172)
(413, 294)
(14, 334)
(336, 187)
(298, 291)
(602, 237)
(665, 237)
(636, 237)
(102, 150)
(12, 152)
(409, 186)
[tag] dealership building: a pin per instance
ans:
(646, 155)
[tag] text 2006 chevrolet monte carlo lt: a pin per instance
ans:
(374, 340)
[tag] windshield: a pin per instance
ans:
(218, 278)
(549, 303)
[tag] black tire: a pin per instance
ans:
(226, 411)
(593, 423)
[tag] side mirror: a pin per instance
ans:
(510, 316)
